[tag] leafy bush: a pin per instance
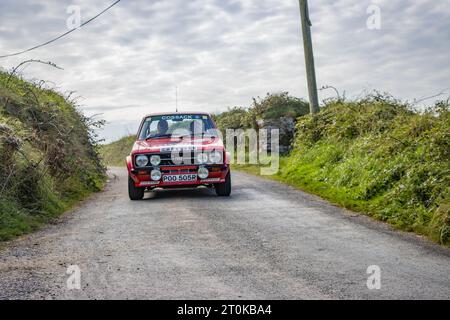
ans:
(379, 156)
(233, 118)
(278, 105)
(278, 110)
(48, 155)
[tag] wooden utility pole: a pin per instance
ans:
(309, 57)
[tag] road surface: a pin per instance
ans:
(267, 241)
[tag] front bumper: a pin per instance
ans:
(141, 177)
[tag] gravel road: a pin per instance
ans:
(267, 241)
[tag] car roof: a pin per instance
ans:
(175, 113)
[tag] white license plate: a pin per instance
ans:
(179, 178)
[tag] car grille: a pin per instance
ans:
(166, 159)
(187, 159)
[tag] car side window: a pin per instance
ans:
(152, 128)
(145, 129)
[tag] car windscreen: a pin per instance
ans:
(162, 126)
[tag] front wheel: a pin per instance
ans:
(134, 193)
(224, 189)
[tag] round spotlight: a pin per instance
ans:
(141, 161)
(202, 158)
(215, 157)
(203, 173)
(155, 175)
(155, 160)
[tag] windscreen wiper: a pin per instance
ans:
(158, 136)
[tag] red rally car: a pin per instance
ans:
(178, 150)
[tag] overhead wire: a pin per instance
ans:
(60, 36)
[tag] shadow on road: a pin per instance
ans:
(180, 194)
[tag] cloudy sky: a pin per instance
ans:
(222, 53)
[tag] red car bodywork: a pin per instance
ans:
(141, 176)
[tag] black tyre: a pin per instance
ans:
(224, 189)
(133, 192)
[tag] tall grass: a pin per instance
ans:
(378, 156)
(48, 155)
(114, 154)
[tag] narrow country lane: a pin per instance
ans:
(267, 241)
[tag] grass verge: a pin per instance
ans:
(49, 156)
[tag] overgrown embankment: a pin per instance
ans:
(380, 157)
(114, 153)
(48, 155)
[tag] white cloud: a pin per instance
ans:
(223, 53)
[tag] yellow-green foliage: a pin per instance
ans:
(273, 110)
(378, 156)
(114, 154)
(48, 155)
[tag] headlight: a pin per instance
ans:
(203, 173)
(215, 157)
(155, 160)
(155, 175)
(141, 161)
(202, 158)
